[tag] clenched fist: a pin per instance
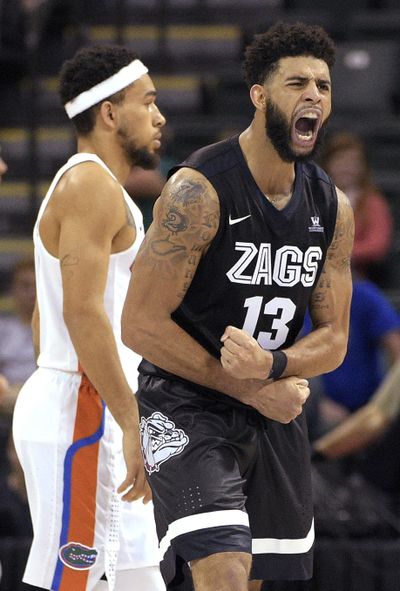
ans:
(282, 400)
(242, 357)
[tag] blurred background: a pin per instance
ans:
(194, 49)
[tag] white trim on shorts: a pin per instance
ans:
(235, 517)
(284, 546)
(202, 521)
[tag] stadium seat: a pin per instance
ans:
(365, 77)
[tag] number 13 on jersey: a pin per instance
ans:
(283, 311)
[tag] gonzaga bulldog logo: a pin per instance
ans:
(77, 556)
(160, 440)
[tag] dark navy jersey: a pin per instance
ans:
(260, 269)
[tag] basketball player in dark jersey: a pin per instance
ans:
(247, 233)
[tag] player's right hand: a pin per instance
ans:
(283, 399)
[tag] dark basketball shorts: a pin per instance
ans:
(225, 479)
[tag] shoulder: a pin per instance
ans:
(188, 206)
(87, 190)
(87, 183)
(345, 209)
(187, 187)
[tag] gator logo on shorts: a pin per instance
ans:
(160, 440)
(78, 556)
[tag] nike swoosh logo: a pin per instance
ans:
(237, 220)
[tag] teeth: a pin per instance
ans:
(305, 136)
(310, 115)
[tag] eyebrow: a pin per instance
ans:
(306, 78)
(151, 93)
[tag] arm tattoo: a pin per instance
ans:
(69, 260)
(67, 263)
(183, 228)
(319, 296)
(175, 221)
(338, 257)
(339, 253)
(188, 192)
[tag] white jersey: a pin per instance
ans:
(56, 348)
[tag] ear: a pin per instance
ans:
(258, 96)
(107, 113)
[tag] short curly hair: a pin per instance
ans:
(88, 67)
(285, 40)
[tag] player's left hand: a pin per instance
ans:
(135, 485)
(242, 357)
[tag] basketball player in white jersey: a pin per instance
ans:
(76, 418)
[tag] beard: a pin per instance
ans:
(278, 131)
(137, 156)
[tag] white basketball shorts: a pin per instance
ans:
(70, 448)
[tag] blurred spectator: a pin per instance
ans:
(355, 410)
(17, 359)
(144, 186)
(368, 441)
(374, 345)
(345, 159)
(368, 423)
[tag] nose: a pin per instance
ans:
(160, 120)
(312, 92)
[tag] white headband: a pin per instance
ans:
(106, 88)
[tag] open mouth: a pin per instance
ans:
(306, 128)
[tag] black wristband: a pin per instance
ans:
(279, 363)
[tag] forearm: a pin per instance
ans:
(387, 396)
(94, 342)
(178, 353)
(321, 351)
(359, 430)
(368, 423)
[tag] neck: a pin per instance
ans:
(277, 178)
(110, 153)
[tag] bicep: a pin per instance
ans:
(84, 256)
(185, 220)
(330, 301)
